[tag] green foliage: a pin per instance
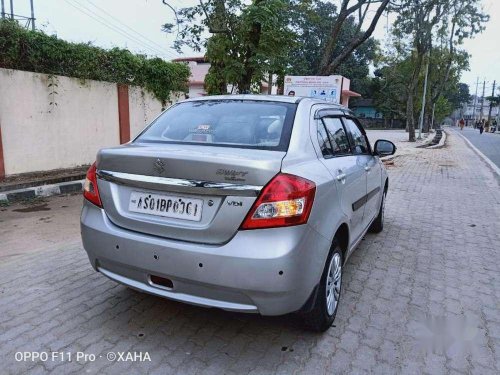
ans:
(38, 52)
(390, 86)
(430, 33)
(391, 80)
(443, 108)
(456, 94)
(247, 40)
(495, 100)
(250, 39)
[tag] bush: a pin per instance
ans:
(36, 51)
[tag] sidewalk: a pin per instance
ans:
(400, 139)
(421, 297)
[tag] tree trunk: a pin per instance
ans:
(411, 93)
(427, 120)
(245, 83)
(329, 63)
(324, 68)
(410, 117)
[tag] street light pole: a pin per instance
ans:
(422, 112)
(475, 101)
(482, 102)
(491, 102)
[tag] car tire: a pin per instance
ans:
(325, 307)
(378, 224)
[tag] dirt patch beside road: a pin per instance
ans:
(31, 226)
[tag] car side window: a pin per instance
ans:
(337, 135)
(324, 142)
(358, 139)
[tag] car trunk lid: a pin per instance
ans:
(221, 182)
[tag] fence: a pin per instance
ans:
(378, 123)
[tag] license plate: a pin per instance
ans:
(166, 206)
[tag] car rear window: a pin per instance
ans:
(225, 123)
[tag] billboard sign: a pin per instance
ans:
(328, 88)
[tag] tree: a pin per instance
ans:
(391, 78)
(463, 20)
(247, 40)
(331, 61)
(390, 86)
(459, 96)
(423, 23)
(494, 100)
(416, 19)
(250, 39)
(309, 23)
(445, 69)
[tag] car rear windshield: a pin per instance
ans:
(227, 123)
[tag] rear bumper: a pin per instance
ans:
(271, 271)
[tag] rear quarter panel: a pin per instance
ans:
(302, 160)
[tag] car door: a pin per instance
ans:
(348, 173)
(371, 166)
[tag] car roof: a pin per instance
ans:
(267, 98)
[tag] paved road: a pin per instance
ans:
(487, 143)
(422, 297)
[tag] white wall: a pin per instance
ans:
(143, 109)
(196, 91)
(39, 136)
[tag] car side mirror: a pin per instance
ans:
(384, 148)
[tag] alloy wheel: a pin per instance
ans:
(333, 283)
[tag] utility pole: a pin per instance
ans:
(482, 102)
(10, 14)
(422, 112)
(491, 102)
(475, 101)
(32, 16)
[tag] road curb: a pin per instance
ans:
(41, 191)
(442, 141)
(389, 158)
(481, 155)
(428, 140)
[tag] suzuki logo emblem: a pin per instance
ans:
(159, 166)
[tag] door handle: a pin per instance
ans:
(341, 177)
(368, 168)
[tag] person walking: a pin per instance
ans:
(461, 123)
(481, 126)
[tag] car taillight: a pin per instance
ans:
(286, 200)
(90, 190)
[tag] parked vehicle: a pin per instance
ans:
(245, 203)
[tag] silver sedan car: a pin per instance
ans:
(245, 203)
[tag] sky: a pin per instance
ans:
(136, 25)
